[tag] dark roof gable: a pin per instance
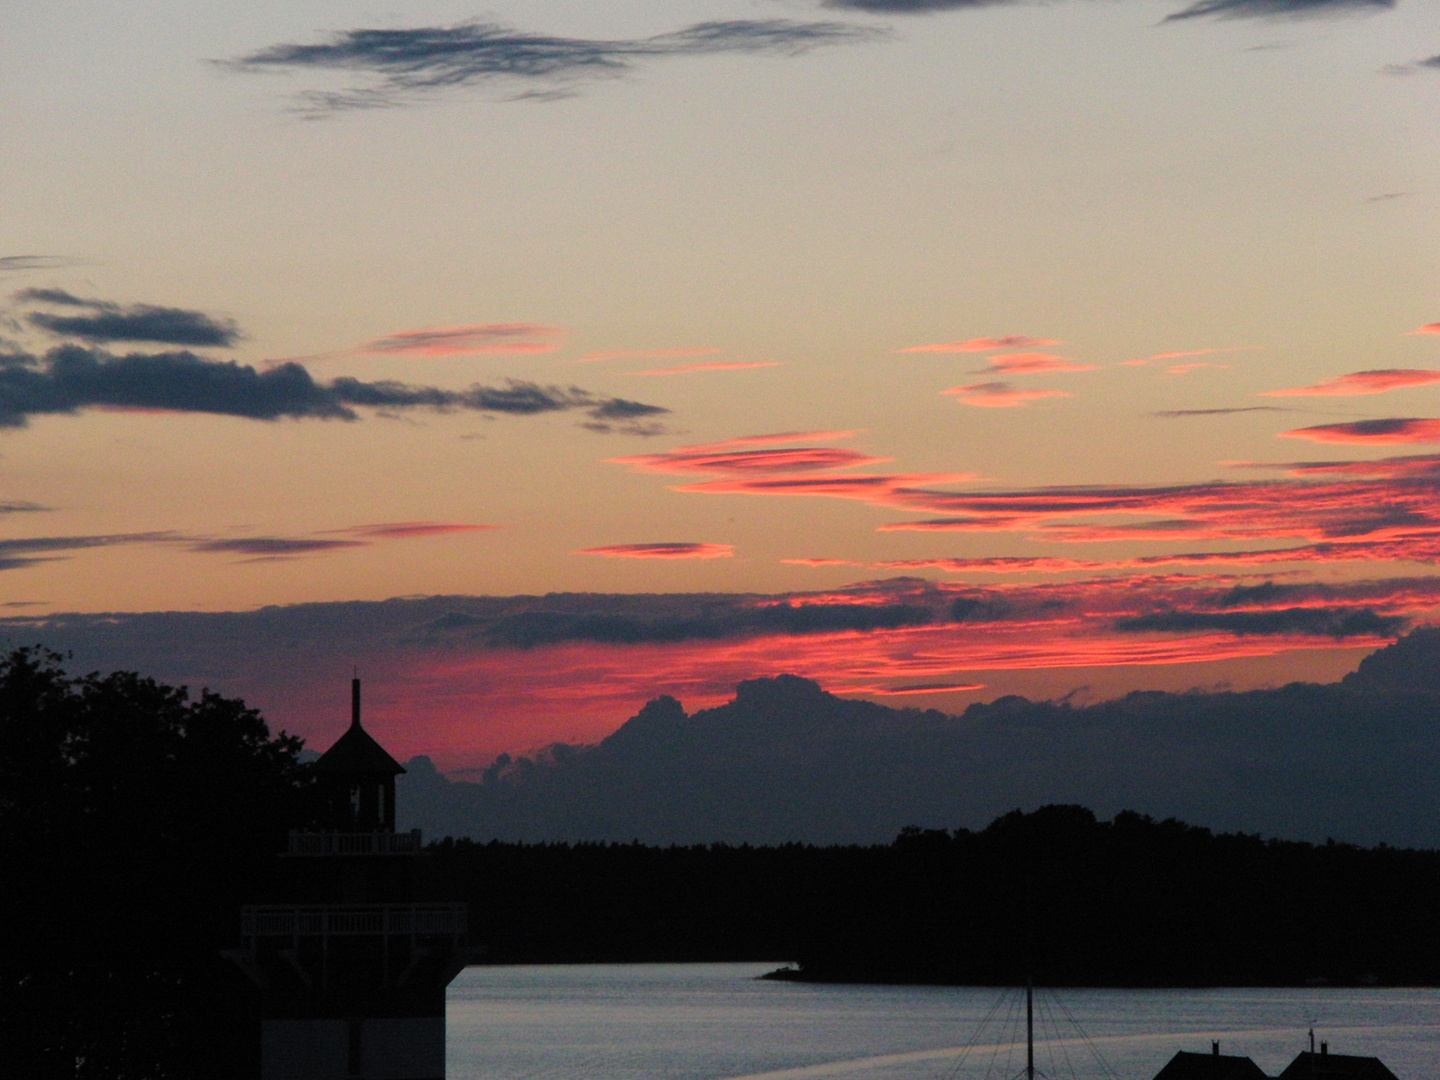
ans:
(1188, 1066)
(356, 753)
(1308, 1066)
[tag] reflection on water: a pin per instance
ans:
(715, 1021)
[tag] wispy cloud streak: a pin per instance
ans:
(406, 64)
(1000, 395)
(1362, 382)
(664, 550)
(984, 344)
(475, 338)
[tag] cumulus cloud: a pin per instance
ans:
(408, 63)
(475, 338)
(1388, 430)
(984, 344)
(1000, 395)
(525, 662)
(70, 378)
(1376, 381)
(102, 321)
(665, 550)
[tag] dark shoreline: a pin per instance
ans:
(798, 975)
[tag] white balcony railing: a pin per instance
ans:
(349, 920)
(354, 843)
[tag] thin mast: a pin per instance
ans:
(1029, 1027)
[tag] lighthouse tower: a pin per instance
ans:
(351, 964)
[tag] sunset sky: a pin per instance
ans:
(932, 349)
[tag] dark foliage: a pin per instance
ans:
(1131, 902)
(134, 821)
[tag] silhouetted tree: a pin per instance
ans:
(134, 820)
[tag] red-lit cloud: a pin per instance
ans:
(984, 344)
(1428, 328)
(924, 688)
(1031, 363)
(1000, 395)
(687, 369)
(661, 551)
(436, 665)
(1362, 382)
(1378, 432)
(476, 338)
(643, 354)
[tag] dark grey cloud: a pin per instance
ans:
(407, 63)
(1252, 9)
(531, 629)
(70, 378)
(103, 321)
(266, 548)
(911, 7)
(1220, 9)
(1332, 622)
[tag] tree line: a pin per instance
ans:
(135, 820)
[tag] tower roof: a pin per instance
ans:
(356, 753)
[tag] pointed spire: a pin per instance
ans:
(354, 703)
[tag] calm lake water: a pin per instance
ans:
(716, 1022)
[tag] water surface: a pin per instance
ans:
(717, 1022)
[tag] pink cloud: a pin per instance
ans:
(984, 344)
(718, 458)
(1390, 430)
(476, 338)
(1000, 395)
(1362, 382)
(644, 354)
(1029, 363)
(1185, 369)
(687, 369)
(661, 551)
(1008, 564)
(821, 562)
(1428, 328)
(1187, 353)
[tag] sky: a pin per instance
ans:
(536, 358)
